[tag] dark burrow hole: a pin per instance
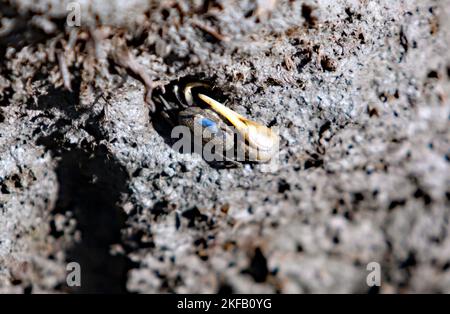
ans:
(164, 118)
(169, 104)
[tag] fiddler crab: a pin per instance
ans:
(230, 136)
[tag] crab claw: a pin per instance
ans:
(188, 91)
(262, 141)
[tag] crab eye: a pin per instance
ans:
(209, 124)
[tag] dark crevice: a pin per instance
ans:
(169, 104)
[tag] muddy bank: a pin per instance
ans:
(359, 92)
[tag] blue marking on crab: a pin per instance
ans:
(209, 124)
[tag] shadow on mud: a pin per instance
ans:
(91, 184)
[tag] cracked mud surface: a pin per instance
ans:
(359, 91)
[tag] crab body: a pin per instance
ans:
(223, 128)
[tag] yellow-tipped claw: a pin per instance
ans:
(262, 141)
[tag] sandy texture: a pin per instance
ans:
(358, 89)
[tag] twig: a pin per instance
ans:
(64, 70)
(211, 31)
(124, 58)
